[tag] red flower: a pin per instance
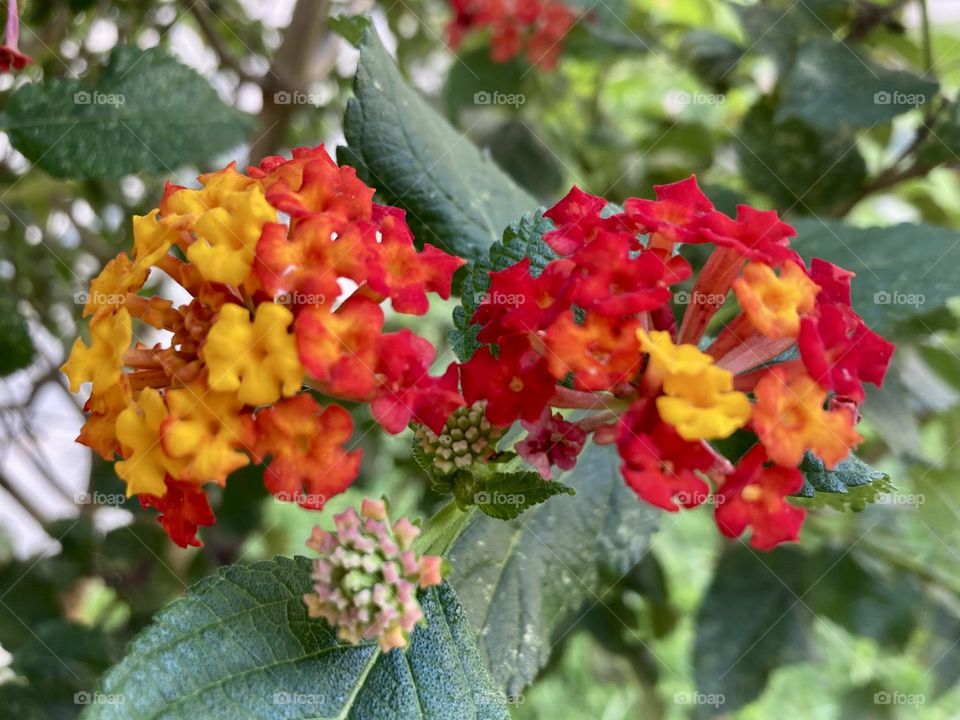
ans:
(408, 392)
(659, 465)
(10, 55)
(676, 214)
(339, 348)
(755, 234)
(517, 302)
(612, 280)
(308, 464)
(577, 217)
(399, 272)
(755, 496)
(183, 509)
(516, 384)
(551, 440)
(325, 188)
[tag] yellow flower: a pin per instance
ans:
(703, 405)
(699, 400)
(101, 362)
(226, 217)
(108, 291)
(145, 463)
(257, 360)
(208, 430)
(774, 304)
(666, 358)
(151, 239)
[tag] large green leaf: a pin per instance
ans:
(519, 580)
(902, 271)
(749, 624)
(145, 113)
(758, 611)
(830, 86)
(455, 198)
(241, 645)
(798, 167)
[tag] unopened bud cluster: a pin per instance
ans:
(366, 579)
(466, 438)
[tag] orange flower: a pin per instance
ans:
(145, 463)
(305, 442)
(101, 361)
(774, 304)
(601, 352)
(790, 417)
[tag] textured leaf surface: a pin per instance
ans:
(519, 580)
(507, 495)
(902, 271)
(455, 197)
(241, 645)
(522, 238)
(831, 86)
(145, 113)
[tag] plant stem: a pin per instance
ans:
(925, 38)
(443, 529)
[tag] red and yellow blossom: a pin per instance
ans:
(598, 330)
(774, 304)
(790, 418)
(261, 254)
(304, 443)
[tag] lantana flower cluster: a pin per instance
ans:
(535, 28)
(367, 576)
(266, 257)
(596, 330)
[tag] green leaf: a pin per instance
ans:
(526, 158)
(749, 624)
(522, 238)
(18, 349)
(849, 486)
(145, 113)
(454, 197)
(241, 643)
(475, 77)
(519, 580)
(902, 271)
(799, 168)
(711, 57)
(831, 86)
(507, 495)
(350, 27)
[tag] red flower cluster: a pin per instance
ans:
(266, 316)
(533, 27)
(601, 317)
